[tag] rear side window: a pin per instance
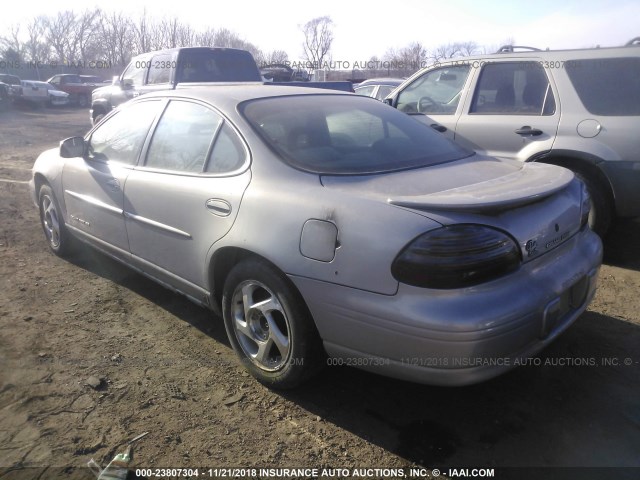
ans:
(228, 152)
(160, 69)
(513, 88)
(607, 86)
(224, 65)
(182, 138)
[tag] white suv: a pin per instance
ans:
(576, 108)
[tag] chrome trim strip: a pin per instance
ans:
(95, 202)
(159, 225)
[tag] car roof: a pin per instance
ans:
(381, 81)
(230, 95)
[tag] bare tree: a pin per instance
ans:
(56, 34)
(86, 29)
(274, 57)
(116, 36)
(36, 48)
(318, 37)
(206, 38)
(406, 60)
(11, 43)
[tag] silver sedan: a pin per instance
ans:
(329, 228)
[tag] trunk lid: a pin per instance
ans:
(537, 204)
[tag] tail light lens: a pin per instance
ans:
(585, 207)
(456, 256)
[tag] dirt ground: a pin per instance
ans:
(92, 355)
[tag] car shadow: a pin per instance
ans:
(622, 244)
(178, 305)
(573, 405)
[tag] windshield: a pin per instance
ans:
(344, 134)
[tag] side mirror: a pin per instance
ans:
(115, 80)
(388, 101)
(72, 147)
(127, 83)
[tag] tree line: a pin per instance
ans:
(113, 38)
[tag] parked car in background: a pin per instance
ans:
(91, 79)
(14, 85)
(34, 94)
(271, 204)
(377, 88)
(4, 96)
(166, 69)
(56, 98)
(79, 91)
(182, 68)
(575, 108)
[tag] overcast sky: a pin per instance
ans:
(363, 29)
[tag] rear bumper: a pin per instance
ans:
(457, 337)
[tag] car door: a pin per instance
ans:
(435, 97)
(512, 112)
(94, 185)
(132, 81)
(187, 193)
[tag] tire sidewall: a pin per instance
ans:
(303, 337)
(63, 247)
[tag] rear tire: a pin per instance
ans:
(269, 326)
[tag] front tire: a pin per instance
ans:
(83, 101)
(58, 237)
(269, 326)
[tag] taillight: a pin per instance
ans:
(456, 256)
(585, 207)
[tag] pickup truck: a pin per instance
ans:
(180, 68)
(165, 69)
(78, 90)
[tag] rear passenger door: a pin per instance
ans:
(186, 194)
(512, 112)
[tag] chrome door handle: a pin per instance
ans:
(219, 207)
(526, 130)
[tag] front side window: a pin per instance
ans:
(120, 138)
(346, 134)
(607, 86)
(436, 92)
(183, 137)
(513, 88)
(384, 91)
(135, 73)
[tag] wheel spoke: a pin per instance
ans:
(243, 327)
(268, 305)
(279, 338)
(247, 299)
(262, 355)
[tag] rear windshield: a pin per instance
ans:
(217, 66)
(607, 86)
(346, 134)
